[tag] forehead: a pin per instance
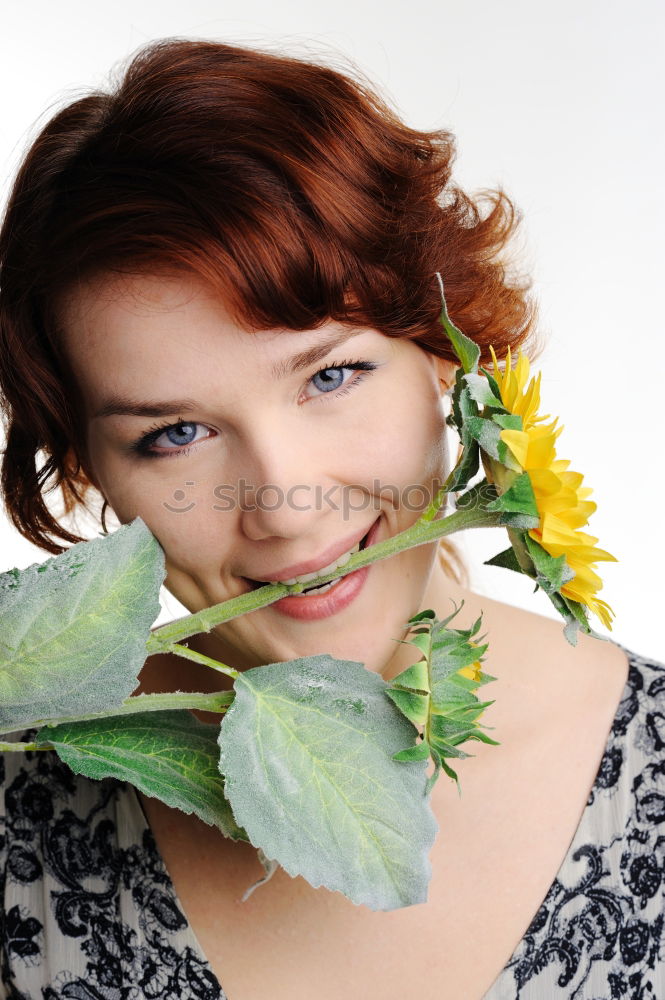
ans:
(134, 306)
(123, 333)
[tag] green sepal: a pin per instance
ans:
(577, 621)
(420, 751)
(493, 384)
(423, 616)
(443, 727)
(508, 421)
(469, 684)
(552, 571)
(486, 433)
(447, 749)
(438, 764)
(478, 734)
(413, 706)
(506, 560)
(466, 468)
(575, 615)
(421, 642)
(415, 677)
(449, 714)
(481, 391)
(464, 408)
(468, 712)
(477, 497)
(519, 522)
(519, 498)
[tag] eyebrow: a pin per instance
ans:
(120, 405)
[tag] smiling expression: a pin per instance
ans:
(256, 463)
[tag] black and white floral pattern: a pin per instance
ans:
(598, 934)
(88, 911)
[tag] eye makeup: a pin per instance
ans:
(144, 445)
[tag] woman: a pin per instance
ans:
(230, 261)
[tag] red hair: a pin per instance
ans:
(292, 187)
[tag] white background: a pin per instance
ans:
(559, 103)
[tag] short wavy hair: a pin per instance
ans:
(291, 187)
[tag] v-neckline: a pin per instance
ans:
(611, 736)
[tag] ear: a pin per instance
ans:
(445, 372)
(70, 463)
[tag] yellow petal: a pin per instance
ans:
(518, 442)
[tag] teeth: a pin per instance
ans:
(307, 577)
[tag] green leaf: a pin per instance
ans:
(168, 755)
(466, 349)
(306, 753)
(73, 629)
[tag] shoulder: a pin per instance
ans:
(537, 667)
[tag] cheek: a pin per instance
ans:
(410, 448)
(176, 509)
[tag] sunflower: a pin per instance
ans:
(473, 671)
(562, 501)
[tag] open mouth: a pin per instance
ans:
(255, 584)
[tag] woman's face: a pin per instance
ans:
(243, 463)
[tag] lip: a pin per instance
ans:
(329, 555)
(334, 600)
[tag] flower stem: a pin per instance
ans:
(218, 701)
(207, 661)
(23, 746)
(423, 532)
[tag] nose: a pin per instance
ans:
(289, 481)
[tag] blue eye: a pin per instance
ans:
(179, 434)
(184, 433)
(332, 377)
(330, 383)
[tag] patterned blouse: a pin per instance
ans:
(88, 911)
